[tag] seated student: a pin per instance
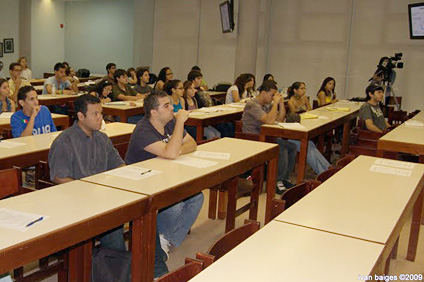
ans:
(326, 94)
(110, 69)
(160, 134)
(203, 84)
(203, 98)
(238, 91)
(60, 82)
(103, 91)
(251, 91)
(32, 119)
(371, 112)
(191, 104)
(175, 90)
(165, 75)
(267, 108)
(121, 91)
(82, 150)
(132, 76)
(26, 72)
(6, 104)
(298, 103)
(71, 76)
(143, 79)
(226, 129)
(268, 76)
(16, 81)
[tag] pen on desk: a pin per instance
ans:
(147, 171)
(34, 221)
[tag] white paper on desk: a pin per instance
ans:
(212, 155)
(10, 144)
(6, 279)
(6, 115)
(116, 104)
(194, 162)
(390, 170)
(414, 123)
(292, 125)
(236, 105)
(132, 172)
(18, 220)
(323, 117)
(393, 163)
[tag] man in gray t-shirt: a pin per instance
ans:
(259, 111)
(371, 112)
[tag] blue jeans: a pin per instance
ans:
(113, 239)
(175, 221)
(286, 159)
(314, 158)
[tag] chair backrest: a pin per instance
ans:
(42, 175)
(323, 176)
(241, 135)
(294, 194)
(233, 238)
(191, 268)
(345, 161)
(122, 149)
(11, 182)
(414, 113)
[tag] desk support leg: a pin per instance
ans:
(345, 141)
(123, 118)
(79, 262)
(148, 246)
(231, 186)
(415, 227)
(136, 249)
(270, 188)
(380, 154)
(258, 180)
(199, 133)
(301, 168)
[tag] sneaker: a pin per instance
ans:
(280, 189)
(165, 245)
(288, 184)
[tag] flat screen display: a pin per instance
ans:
(226, 17)
(416, 20)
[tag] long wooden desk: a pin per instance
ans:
(285, 252)
(361, 203)
(37, 147)
(76, 212)
(81, 87)
(177, 182)
(313, 128)
(200, 118)
(123, 109)
(404, 139)
(219, 95)
(59, 120)
(49, 99)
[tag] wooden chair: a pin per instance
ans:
(240, 135)
(414, 113)
(42, 176)
(323, 176)
(11, 180)
(345, 161)
(228, 242)
(122, 149)
(291, 196)
(191, 268)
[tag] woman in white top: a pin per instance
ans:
(26, 72)
(239, 90)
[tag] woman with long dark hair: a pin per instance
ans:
(238, 91)
(326, 94)
(164, 76)
(298, 102)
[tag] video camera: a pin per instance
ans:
(386, 66)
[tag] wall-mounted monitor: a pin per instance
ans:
(227, 16)
(416, 20)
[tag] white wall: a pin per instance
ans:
(47, 38)
(98, 33)
(9, 28)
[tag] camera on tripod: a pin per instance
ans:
(386, 65)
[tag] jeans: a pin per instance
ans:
(286, 159)
(160, 258)
(175, 221)
(227, 129)
(314, 158)
(113, 239)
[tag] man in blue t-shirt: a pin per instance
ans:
(32, 119)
